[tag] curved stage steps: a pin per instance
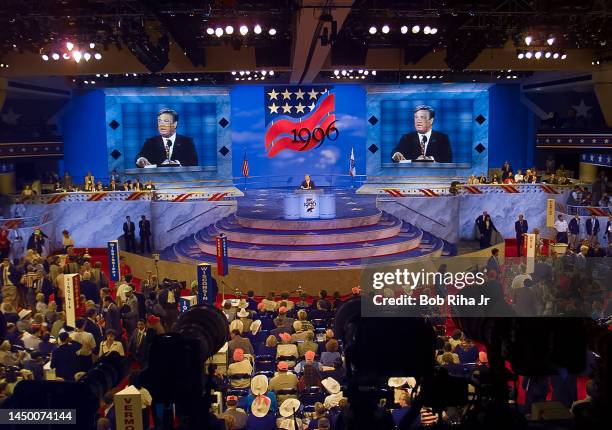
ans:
(320, 244)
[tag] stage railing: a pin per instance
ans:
(284, 181)
(210, 194)
(588, 210)
(25, 222)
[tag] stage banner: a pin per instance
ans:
(530, 239)
(550, 212)
(113, 260)
(128, 409)
(204, 283)
(222, 260)
(185, 302)
(72, 293)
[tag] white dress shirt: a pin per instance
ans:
(561, 226)
(428, 135)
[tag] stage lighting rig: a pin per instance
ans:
(154, 56)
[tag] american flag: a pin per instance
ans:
(245, 166)
(291, 109)
(352, 169)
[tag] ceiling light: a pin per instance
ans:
(134, 74)
(360, 71)
(55, 56)
(362, 77)
(87, 56)
(244, 30)
(86, 82)
(528, 54)
(175, 80)
(336, 72)
(210, 31)
(167, 79)
(69, 45)
(181, 79)
(233, 72)
(528, 40)
(416, 29)
(373, 72)
(271, 72)
(218, 32)
(404, 29)
(343, 72)
(242, 73)
(556, 55)
(92, 45)
(434, 30)
(98, 56)
(550, 40)
(264, 72)
(427, 29)
(97, 75)
(514, 76)
(372, 30)
(249, 78)
(520, 55)
(257, 29)
(93, 82)
(45, 57)
(66, 56)
(272, 32)
(236, 79)
(196, 79)
(414, 76)
(564, 56)
(385, 29)
(188, 79)
(247, 72)
(229, 29)
(77, 56)
(547, 55)
(366, 72)
(538, 55)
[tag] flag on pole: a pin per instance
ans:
(245, 166)
(352, 170)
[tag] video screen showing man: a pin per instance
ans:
(307, 183)
(424, 144)
(169, 148)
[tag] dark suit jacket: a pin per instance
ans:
(129, 229)
(520, 229)
(592, 227)
(438, 147)
(145, 228)
(184, 151)
(304, 185)
(574, 226)
(64, 360)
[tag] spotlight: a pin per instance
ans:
(45, 57)
(272, 32)
(547, 55)
(520, 55)
(420, 76)
(181, 79)
(336, 72)
(92, 45)
(134, 74)
(556, 55)
(373, 30)
(434, 30)
(427, 29)
(87, 56)
(98, 56)
(86, 82)
(385, 29)
(538, 55)
(249, 78)
(233, 72)
(528, 55)
(271, 72)
(416, 29)
(404, 29)
(242, 73)
(105, 75)
(236, 79)
(229, 29)
(69, 45)
(514, 76)
(428, 77)
(196, 79)
(167, 79)
(528, 40)
(257, 29)
(188, 79)
(97, 75)
(93, 82)
(174, 79)
(244, 30)
(366, 72)
(55, 56)
(360, 71)
(343, 72)
(218, 32)
(210, 31)
(373, 72)
(550, 40)
(414, 76)
(77, 56)
(66, 56)
(264, 72)
(247, 72)
(362, 77)
(564, 56)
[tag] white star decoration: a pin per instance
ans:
(311, 107)
(313, 94)
(299, 108)
(582, 109)
(299, 94)
(286, 108)
(286, 95)
(273, 94)
(273, 108)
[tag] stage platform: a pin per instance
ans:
(259, 239)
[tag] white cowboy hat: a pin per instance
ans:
(397, 382)
(260, 406)
(255, 326)
(331, 385)
(243, 313)
(289, 407)
(236, 325)
(259, 385)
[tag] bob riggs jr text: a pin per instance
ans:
(425, 300)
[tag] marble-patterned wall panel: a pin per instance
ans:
(172, 222)
(439, 216)
(93, 224)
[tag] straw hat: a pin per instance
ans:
(259, 385)
(236, 325)
(255, 326)
(243, 313)
(331, 385)
(242, 304)
(24, 313)
(289, 407)
(397, 382)
(260, 406)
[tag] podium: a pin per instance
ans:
(309, 204)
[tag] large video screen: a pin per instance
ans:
(427, 129)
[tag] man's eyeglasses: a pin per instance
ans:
(165, 121)
(423, 117)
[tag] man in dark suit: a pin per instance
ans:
(111, 314)
(424, 144)
(169, 148)
(129, 233)
(485, 229)
(144, 226)
(307, 184)
(520, 227)
(592, 228)
(137, 344)
(64, 359)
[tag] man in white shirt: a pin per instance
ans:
(561, 227)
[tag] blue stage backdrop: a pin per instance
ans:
(272, 126)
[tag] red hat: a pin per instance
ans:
(283, 365)
(152, 320)
(238, 354)
(310, 355)
(282, 310)
(285, 336)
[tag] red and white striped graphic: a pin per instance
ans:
(136, 195)
(549, 189)
(597, 211)
(56, 199)
(472, 190)
(13, 223)
(181, 197)
(509, 189)
(95, 197)
(217, 196)
(428, 192)
(394, 192)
